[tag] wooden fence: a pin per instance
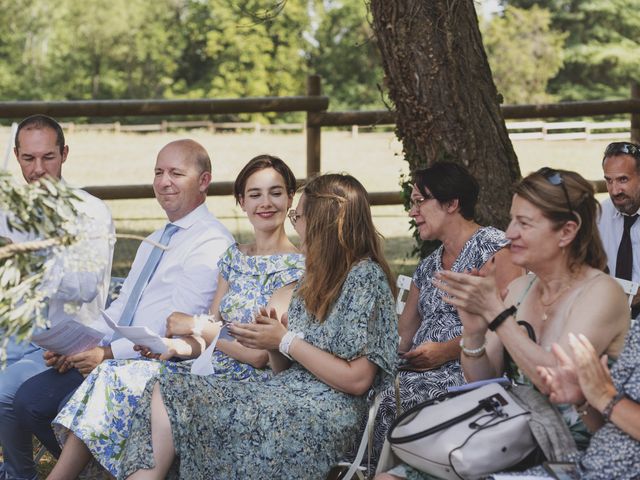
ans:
(315, 105)
(532, 130)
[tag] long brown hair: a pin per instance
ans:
(339, 233)
(551, 197)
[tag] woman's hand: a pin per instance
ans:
(264, 334)
(431, 355)
(179, 324)
(475, 296)
(474, 293)
(593, 374)
(561, 382)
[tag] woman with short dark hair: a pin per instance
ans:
(443, 201)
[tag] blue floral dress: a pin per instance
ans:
(440, 323)
(292, 426)
(100, 411)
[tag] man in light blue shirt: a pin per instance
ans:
(184, 279)
(41, 150)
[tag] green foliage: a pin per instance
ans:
(45, 211)
(116, 49)
(524, 53)
(345, 54)
(601, 53)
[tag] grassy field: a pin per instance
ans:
(374, 158)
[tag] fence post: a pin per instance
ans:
(635, 117)
(313, 133)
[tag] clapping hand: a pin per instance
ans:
(265, 333)
(561, 382)
(583, 377)
(474, 294)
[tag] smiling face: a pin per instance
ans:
(623, 183)
(533, 238)
(38, 154)
(179, 184)
(265, 199)
(428, 213)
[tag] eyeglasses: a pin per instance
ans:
(617, 148)
(417, 202)
(554, 178)
(293, 216)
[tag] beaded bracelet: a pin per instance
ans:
(287, 340)
(606, 413)
(473, 352)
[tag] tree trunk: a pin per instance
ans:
(438, 76)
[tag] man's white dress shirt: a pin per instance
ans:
(185, 280)
(611, 225)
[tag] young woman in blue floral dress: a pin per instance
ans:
(340, 340)
(100, 412)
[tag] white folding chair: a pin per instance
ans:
(629, 287)
(404, 284)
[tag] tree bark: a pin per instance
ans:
(448, 108)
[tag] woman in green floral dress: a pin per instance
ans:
(340, 341)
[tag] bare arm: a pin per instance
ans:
(354, 377)
(409, 320)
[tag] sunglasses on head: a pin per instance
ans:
(554, 178)
(622, 148)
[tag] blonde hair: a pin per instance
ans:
(339, 233)
(583, 208)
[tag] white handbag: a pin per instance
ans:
(468, 436)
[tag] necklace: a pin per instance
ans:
(545, 306)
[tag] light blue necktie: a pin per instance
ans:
(145, 275)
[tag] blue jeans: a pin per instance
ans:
(38, 401)
(24, 360)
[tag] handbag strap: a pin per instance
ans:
(484, 404)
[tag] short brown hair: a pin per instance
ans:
(39, 122)
(260, 163)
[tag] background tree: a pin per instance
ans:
(524, 53)
(447, 104)
(602, 45)
(344, 53)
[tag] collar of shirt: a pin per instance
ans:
(198, 213)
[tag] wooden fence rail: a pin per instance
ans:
(315, 106)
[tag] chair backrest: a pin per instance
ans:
(404, 284)
(629, 287)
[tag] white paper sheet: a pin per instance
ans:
(68, 337)
(138, 334)
(202, 365)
